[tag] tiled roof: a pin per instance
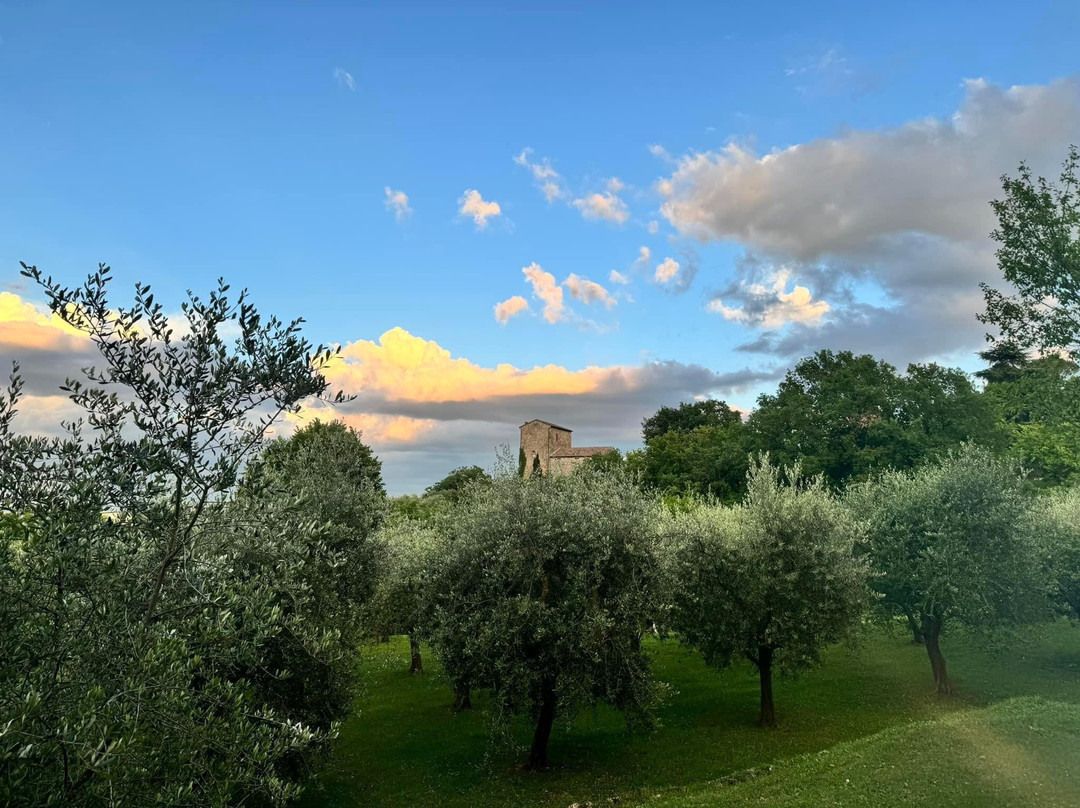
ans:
(554, 426)
(583, 451)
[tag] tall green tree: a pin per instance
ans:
(950, 544)
(708, 461)
(773, 580)
(1039, 415)
(542, 594)
(688, 417)
(847, 416)
(129, 609)
(1038, 234)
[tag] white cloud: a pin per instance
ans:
(771, 306)
(904, 208)
(510, 307)
(547, 291)
(656, 150)
(653, 227)
(547, 178)
(667, 270)
(617, 277)
(344, 79)
(474, 205)
(398, 203)
(607, 206)
(588, 291)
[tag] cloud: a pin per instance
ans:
(617, 277)
(667, 270)
(344, 79)
(472, 204)
(770, 306)
(377, 429)
(547, 178)
(588, 291)
(510, 307)
(398, 203)
(424, 410)
(653, 227)
(656, 150)
(607, 205)
(546, 290)
(903, 209)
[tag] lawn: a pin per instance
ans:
(872, 708)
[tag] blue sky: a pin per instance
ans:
(257, 141)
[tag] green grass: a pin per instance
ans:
(872, 708)
(1020, 752)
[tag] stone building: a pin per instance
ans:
(552, 444)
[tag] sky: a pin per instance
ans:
(577, 212)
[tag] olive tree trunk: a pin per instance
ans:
(916, 629)
(931, 631)
(462, 696)
(417, 663)
(544, 722)
(764, 663)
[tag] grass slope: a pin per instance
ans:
(404, 746)
(1020, 752)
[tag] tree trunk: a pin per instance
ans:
(417, 663)
(931, 631)
(768, 710)
(538, 750)
(916, 629)
(462, 697)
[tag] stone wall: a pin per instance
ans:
(540, 439)
(564, 465)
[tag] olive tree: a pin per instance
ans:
(329, 476)
(951, 548)
(129, 608)
(773, 580)
(1055, 524)
(542, 592)
(405, 549)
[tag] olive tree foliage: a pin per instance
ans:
(950, 544)
(541, 594)
(405, 550)
(335, 481)
(773, 580)
(1054, 521)
(1039, 256)
(128, 600)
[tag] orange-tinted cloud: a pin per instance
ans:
(376, 428)
(24, 326)
(403, 367)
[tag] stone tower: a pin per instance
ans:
(551, 443)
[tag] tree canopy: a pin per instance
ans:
(542, 593)
(133, 596)
(1038, 234)
(949, 542)
(687, 417)
(846, 416)
(773, 580)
